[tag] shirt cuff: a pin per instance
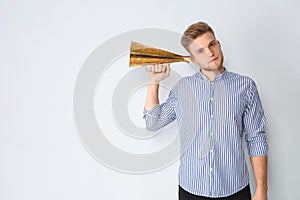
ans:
(154, 112)
(260, 149)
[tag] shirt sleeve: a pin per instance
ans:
(254, 123)
(162, 114)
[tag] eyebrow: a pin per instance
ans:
(212, 42)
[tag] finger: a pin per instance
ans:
(163, 68)
(156, 68)
(149, 68)
(153, 68)
(159, 68)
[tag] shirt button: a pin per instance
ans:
(210, 169)
(211, 99)
(211, 116)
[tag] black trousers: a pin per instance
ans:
(244, 194)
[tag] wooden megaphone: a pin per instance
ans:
(142, 55)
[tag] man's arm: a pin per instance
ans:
(157, 74)
(152, 96)
(254, 125)
(158, 115)
(260, 170)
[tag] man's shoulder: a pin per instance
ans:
(238, 77)
(186, 79)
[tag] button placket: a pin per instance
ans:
(211, 110)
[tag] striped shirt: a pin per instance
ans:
(213, 117)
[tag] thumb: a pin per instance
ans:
(168, 69)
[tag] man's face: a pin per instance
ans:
(206, 51)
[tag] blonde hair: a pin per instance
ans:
(194, 31)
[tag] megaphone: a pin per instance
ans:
(143, 55)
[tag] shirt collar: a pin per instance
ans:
(202, 76)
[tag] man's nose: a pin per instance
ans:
(209, 52)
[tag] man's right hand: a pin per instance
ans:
(158, 72)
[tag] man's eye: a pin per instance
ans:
(200, 51)
(212, 44)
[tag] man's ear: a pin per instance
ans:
(193, 59)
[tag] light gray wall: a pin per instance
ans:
(43, 45)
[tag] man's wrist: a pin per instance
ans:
(153, 83)
(154, 79)
(262, 188)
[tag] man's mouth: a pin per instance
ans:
(213, 60)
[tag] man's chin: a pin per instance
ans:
(211, 67)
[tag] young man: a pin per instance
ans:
(227, 107)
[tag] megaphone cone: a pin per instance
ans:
(141, 55)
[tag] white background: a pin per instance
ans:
(43, 45)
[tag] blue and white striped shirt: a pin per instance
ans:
(212, 117)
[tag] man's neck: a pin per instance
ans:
(211, 75)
